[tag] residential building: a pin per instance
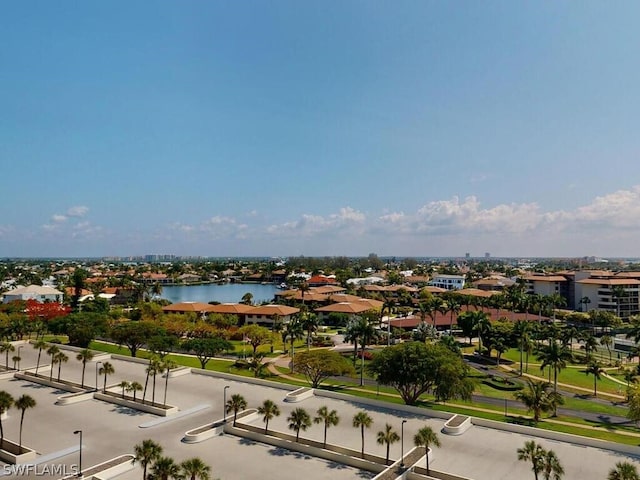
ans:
(617, 295)
(34, 292)
(448, 282)
(266, 314)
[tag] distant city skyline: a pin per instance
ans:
(410, 128)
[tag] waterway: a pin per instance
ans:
(225, 293)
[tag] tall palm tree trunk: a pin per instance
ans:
(20, 436)
(38, 361)
(144, 392)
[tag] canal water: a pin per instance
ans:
(225, 293)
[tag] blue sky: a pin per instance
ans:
(319, 128)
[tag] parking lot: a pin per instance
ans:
(110, 430)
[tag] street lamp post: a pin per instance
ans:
(224, 403)
(402, 444)
(80, 464)
(97, 363)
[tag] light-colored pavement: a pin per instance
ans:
(109, 431)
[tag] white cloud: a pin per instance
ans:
(57, 218)
(346, 220)
(78, 211)
(6, 230)
(85, 230)
(216, 227)
(447, 217)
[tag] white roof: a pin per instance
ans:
(35, 290)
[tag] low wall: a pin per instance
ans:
(49, 383)
(420, 473)
(163, 412)
(178, 372)
(509, 427)
(210, 430)
(281, 440)
(126, 358)
(240, 378)
(14, 458)
(457, 425)
(110, 472)
(8, 374)
(425, 412)
(71, 398)
(561, 437)
(299, 395)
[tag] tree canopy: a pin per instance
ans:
(134, 335)
(416, 368)
(206, 348)
(318, 365)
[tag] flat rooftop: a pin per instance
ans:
(110, 430)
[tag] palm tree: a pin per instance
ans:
(165, 468)
(584, 301)
(424, 438)
(134, 387)
(299, 420)
(310, 323)
(146, 453)
(23, 403)
(106, 369)
(590, 345)
(156, 368)
(167, 366)
(293, 330)
(362, 420)
(5, 348)
(551, 466)
(329, 418)
(618, 292)
(388, 305)
(16, 361)
(236, 404)
(387, 436)
(534, 453)
(595, 369)
(303, 287)
(195, 469)
(61, 358)
(481, 325)
(521, 330)
(85, 355)
(268, 410)
(52, 351)
(554, 356)
(39, 345)
(6, 400)
(624, 471)
(247, 298)
(125, 386)
(538, 399)
(156, 290)
(425, 309)
(607, 342)
(364, 334)
(435, 305)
